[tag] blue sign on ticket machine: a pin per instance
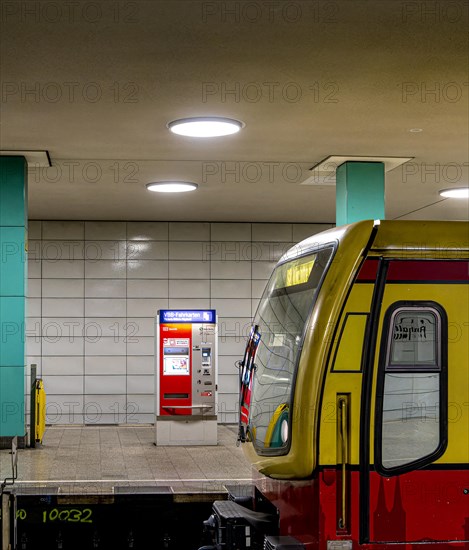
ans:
(186, 377)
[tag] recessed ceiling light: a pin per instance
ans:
(455, 193)
(172, 186)
(204, 127)
(416, 130)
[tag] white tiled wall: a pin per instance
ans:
(95, 287)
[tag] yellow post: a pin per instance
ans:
(40, 416)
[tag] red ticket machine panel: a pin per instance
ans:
(175, 369)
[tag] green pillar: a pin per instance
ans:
(13, 274)
(359, 192)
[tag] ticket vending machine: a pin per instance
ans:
(186, 377)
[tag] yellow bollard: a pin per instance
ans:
(40, 427)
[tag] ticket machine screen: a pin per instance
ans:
(176, 361)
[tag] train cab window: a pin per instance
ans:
(411, 397)
(282, 317)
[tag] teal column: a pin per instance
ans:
(359, 192)
(13, 273)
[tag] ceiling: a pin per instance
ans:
(95, 83)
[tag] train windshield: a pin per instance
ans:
(281, 320)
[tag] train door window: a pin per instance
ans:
(411, 395)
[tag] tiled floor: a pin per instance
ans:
(96, 459)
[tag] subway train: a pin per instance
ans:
(354, 395)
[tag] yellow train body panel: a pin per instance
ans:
(344, 375)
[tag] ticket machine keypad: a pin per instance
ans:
(203, 350)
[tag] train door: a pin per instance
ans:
(414, 445)
(339, 444)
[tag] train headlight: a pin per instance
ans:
(284, 431)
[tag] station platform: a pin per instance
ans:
(111, 487)
(101, 457)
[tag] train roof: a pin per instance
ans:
(409, 236)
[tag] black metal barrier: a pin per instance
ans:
(127, 518)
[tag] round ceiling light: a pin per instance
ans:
(416, 130)
(172, 186)
(455, 193)
(205, 127)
